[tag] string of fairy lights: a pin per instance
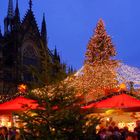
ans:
(126, 73)
(6, 98)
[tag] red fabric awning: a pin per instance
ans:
(117, 101)
(17, 104)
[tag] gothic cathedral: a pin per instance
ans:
(21, 45)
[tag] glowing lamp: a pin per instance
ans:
(22, 88)
(114, 111)
(108, 119)
(109, 112)
(122, 86)
(9, 124)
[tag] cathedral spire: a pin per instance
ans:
(10, 13)
(17, 15)
(30, 4)
(44, 30)
(17, 9)
(56, 55)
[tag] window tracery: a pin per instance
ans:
(29, 52)
(30, 56)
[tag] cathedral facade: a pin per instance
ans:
(20, 46)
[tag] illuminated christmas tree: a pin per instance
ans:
(58, 116)
(100, 48)
(98, 75)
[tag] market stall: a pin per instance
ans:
(122, 110)
(16, 104)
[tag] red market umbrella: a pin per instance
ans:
(17, 104)
(121, 101)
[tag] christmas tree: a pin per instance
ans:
(98, 75)
(100, 47)
(58, 117)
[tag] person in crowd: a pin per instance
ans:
(124, 131)
(117, 135)
(4, 133)
(137, 131)
(0, 130)
(18, 136)
(131, 136)
(15, 135)
(109, 133)
(102, 133)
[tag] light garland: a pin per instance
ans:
(5, 98)
(22, 88)
(128, 74)
(96, 81)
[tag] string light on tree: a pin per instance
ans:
(22, 88)
(99, 71)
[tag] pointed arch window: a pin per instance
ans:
(30, 56)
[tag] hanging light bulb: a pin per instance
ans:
(122, 86)
(22, 88)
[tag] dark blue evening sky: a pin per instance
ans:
(70, 24)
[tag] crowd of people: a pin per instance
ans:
(115, 133)
(110, 133)
(9, 134)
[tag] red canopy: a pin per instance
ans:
(117, 101)
(17, 104)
